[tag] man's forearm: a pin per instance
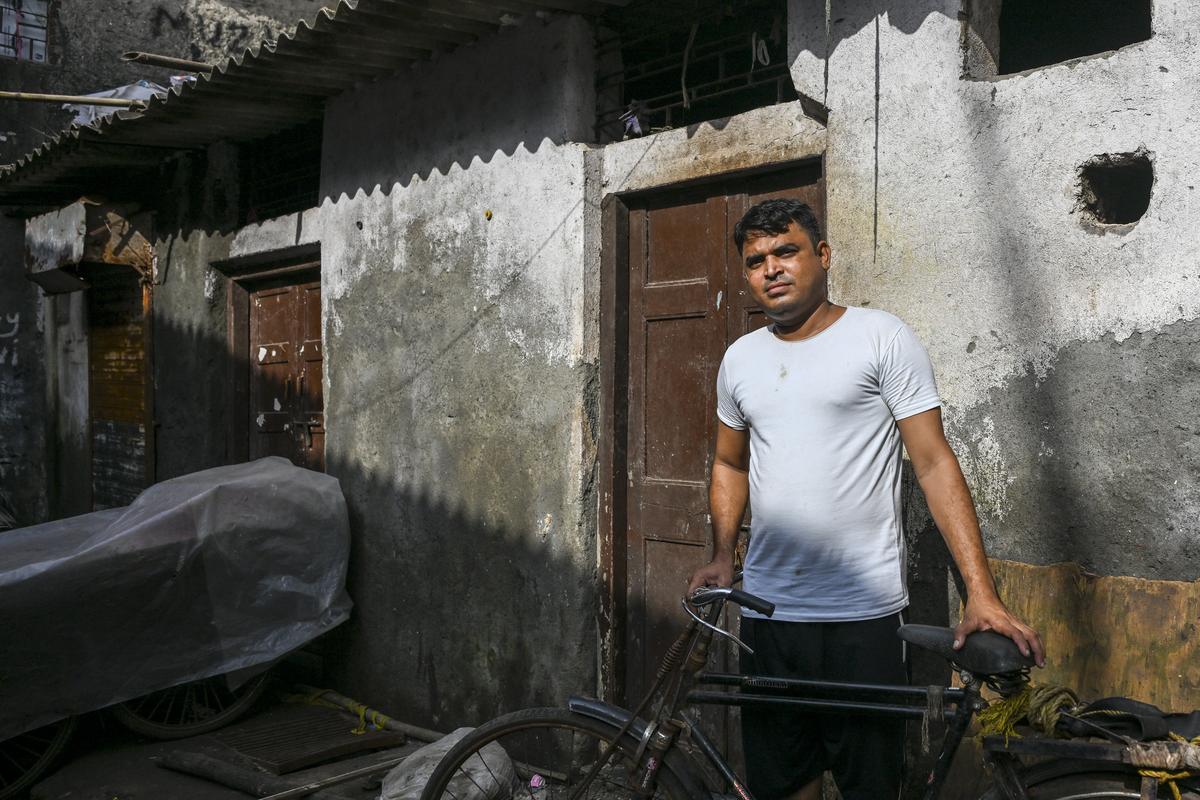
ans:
(950, 502)
(728, 493)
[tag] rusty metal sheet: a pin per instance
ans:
(287, 410)
(117, 236)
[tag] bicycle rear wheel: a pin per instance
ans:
(546, 754)
(1078, 780)
(190, 709)
(26, 757)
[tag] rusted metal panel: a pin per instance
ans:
(1110, 635)
(58, 242)
(117, 384)
(116, 235)
(287, 410)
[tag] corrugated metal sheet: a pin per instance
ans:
(265, 89)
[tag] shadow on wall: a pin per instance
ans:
(460, 615)
(457, 616)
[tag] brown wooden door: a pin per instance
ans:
(287, 411)
(687, 302)
(118, 390)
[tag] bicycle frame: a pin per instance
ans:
(685, 665)
(829, 697)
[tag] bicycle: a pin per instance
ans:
(599, 751)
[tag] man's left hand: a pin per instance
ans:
(989, 614)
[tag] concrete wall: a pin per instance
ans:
(452, 253)
(22, 371)
(1065, 352)
(87, 39)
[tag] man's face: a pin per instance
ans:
(786, 274)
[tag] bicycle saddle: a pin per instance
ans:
(984, 653)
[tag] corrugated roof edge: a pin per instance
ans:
(232, 64)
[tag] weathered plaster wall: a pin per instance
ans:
(23, 421)
(191, 368)
(68, 461)
(1064, 355)
(87, 40)
(452, 253)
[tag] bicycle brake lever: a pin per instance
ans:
(715, 629)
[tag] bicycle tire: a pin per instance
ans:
(556, 745)
(26, 757)
(1064, 779)
(190, 709)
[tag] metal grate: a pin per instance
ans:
(291, 738)
(667, 63)
(281, 173)
(23, 26)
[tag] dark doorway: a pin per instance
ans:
(120, 402)
(277, 357)
(685, 302)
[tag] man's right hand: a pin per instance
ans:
(718, 572)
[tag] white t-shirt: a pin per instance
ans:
(826, 538)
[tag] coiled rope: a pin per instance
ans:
(1042, 707)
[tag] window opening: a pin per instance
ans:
(280, 173)
(667, 63)
(1114, 188)
(23, 29)
(1008, 36)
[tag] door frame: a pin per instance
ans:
(241, 277)
(612, 455)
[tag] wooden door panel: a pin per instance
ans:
(286, 404)
(677, 334)
(674, 413)
(686, 303)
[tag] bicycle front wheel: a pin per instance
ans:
(547, 754)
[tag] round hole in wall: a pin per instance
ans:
(1114, 188)
(358, 224)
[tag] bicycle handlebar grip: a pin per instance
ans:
(751, 602)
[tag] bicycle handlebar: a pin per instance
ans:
(708, 594)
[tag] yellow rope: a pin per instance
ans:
(1166, 779)
(1040, 705)
(1169, 778)
(316, 698)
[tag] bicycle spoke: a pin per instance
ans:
(489, 768)
(471, 778)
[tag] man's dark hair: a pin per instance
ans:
(773, 217)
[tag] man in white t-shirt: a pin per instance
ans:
(812, 412)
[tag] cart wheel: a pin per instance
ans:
(190, 709)
(25, 758)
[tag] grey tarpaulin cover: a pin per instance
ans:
(204, 574)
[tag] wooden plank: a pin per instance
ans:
(1110, 635)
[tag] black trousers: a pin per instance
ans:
(786, 748)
